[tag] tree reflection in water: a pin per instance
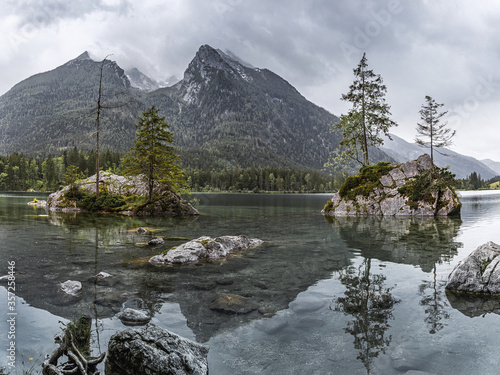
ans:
(423, 242)
(371, 304)
(435, 304)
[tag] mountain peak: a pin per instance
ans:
(220, 59)
(208, 56)
(84, 56)
(230, 55)
(208, 63)
(141, 81)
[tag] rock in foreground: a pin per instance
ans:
(415, 188)
(479, 273)
(153, 350)
(204, 248)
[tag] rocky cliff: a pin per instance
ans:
(415, 188)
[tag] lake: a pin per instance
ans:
(335, 296)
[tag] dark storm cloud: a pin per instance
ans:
(42, 13)
(448, 49)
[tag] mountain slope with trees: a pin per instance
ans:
(223, 113)
(51, 111)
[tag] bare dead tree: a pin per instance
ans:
(100, 107)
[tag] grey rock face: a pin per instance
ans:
(205, 248)
(478, 273)
(153, 350)
(386, 199)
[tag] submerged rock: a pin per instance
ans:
(154, 350)
(158, 241)
(478, 273)
(72, 287)
(233, 304)
(415, 188)
(204, 248)
(103, 275)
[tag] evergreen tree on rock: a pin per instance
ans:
(435, 131)
(153, 155)
(362, 126)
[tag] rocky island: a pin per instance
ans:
(125, 195)
(415, 188)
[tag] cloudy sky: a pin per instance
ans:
(448, 49)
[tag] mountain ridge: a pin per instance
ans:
(461, 165)
(223, 113)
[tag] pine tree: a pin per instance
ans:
(437, 133)
(153, 155)
(369, 116)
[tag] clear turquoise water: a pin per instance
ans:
(340, 296)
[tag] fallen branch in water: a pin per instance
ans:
(76, 364)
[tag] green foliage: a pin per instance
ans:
(365, 181)
(74, 164)
(262, 179)
(475, 182)
(70, 177)
(105, 202)
(436, 133)
(328, 206)
(369, 117)
(426, 183)
(79, 329)
(153, 155)
(203, 242)
(20, 173)
(484, 264)
(135, 201)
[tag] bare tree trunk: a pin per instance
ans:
(97, 131)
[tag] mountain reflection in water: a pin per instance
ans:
(341, 295)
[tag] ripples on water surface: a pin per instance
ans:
(337, 296)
